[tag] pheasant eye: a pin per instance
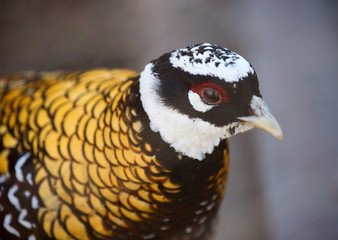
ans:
(210, 92)
(211, 96)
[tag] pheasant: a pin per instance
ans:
(114, 154)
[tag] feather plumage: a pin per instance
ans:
(93, 174)
(113, 154)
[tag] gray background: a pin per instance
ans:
(277, 190)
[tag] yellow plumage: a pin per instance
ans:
(113, 154)
(94, 174)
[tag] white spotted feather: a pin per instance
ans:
(229, 66)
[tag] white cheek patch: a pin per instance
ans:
(191, 137)
(197, 103)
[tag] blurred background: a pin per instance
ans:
(277, 190)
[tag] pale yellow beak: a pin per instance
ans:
(263, 119)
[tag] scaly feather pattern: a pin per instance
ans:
(113, 154)
(78, 160)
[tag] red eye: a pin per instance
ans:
(210, 93)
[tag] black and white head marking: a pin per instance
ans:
(194, 97)
(211, 60)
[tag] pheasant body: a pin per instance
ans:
(82, 155)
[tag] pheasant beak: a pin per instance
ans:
(263, 119)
